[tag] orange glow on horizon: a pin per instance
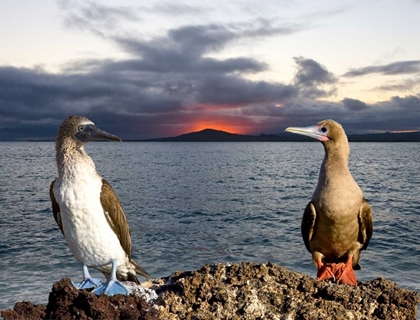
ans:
(223, 117)
(231, 128)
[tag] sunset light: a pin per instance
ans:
(231, 128)
(164, 69)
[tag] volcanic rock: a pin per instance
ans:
(65, 302)
(268, 291)
(231, 291)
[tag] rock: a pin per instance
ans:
(24, 310)
(268, 291)
(66, 302)
(231, 291)
(138, 290)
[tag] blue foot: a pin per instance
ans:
(88, 282)
(112, 286)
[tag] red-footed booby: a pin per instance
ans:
(337, 223)
(88, 212)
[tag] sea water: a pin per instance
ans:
(191, 203)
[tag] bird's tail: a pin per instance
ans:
(139, 270)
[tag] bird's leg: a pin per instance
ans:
(112, 286)
(88, 282)
(347, 273)
(324, 271)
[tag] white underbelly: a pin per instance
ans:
(86, 230)
(91, 240)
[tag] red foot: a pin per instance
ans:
(346, 273)
(326, 271)
(340, 272)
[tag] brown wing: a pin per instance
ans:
(115, 215)
(308, 224)
(365, 224)
(56, 208)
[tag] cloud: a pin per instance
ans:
(34, 102)
(354, 104)
(266, 28)
(106, 21)
(185, 48)
(182, 44)
(407, 103)
(395, 68)
(169, 61)
(172, 9)
(398, 113)
(409, 84)
(171, 83)
(235, 91)
(311, 77)
(96, 18)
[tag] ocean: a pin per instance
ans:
(192, 203)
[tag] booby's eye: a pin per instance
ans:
(324, 129)
(81, 128)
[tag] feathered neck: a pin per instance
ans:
(70, 153)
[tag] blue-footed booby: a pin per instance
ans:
(337, 223)
(88, 212)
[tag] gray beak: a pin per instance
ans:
(90, 132)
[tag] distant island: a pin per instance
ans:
(211, 135)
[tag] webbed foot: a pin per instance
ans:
(112, 286)
(346, 273)
(339, 272)
(88, 282)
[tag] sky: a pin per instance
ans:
(150, 69)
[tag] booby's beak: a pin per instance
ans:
(317, 132)
(89, 132)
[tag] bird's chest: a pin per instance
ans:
(86, 229)
(78, 195)
(338, 197)
(337, 205)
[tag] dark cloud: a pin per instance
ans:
(237, 91)
(33, 103)
(312, 73)
(354, 104)
(398, 113)
(395, 68)
(171, 82)
(172, 62)
(311, 78)
(183, 49)
(191, 41)
(407, 103)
